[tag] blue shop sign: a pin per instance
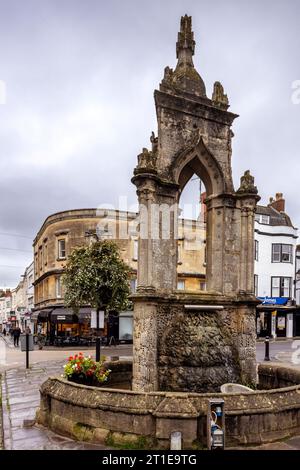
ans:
(273, 300)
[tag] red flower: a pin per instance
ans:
(71, 358)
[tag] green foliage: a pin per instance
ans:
(97, 275)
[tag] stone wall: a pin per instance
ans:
(115, 416)
(195, 350)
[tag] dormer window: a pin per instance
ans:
(262, 219)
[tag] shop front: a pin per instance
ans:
(62, 327)
(275, 318)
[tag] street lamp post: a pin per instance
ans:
(267, 349)
(98, 338)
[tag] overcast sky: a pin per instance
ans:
(79, 107)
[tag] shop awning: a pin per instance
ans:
(41, 315)
(273, 300)
(64, 315)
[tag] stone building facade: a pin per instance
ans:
(64, 231)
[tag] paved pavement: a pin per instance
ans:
(20, 397)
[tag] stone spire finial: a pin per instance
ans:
(185, 77)
(185, 41)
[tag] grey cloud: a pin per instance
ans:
(80, 78)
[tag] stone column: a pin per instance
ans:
(214, 246)
(146, 195)
(250, 257)
(244, 250)
(145, 377)
(157, 273)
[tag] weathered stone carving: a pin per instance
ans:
(219, 98)
(247, 184)
(146, 160)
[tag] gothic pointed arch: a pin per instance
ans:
(197, 159)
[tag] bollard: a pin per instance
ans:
(175, 441)
(267, 349)
(27, 351)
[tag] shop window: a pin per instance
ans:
(280, 286)
(181, 285)
(282, 253)
(61, 248)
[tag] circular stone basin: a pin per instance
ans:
(118, 417)
(235, 388)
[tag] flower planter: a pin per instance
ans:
(83, 380)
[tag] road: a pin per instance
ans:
(281, 351)
(11, 357)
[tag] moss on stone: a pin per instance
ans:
(130, 441)
(83, 432)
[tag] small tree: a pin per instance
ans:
(96, 275)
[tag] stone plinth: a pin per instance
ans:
(193, 343)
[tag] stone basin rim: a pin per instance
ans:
(169, 394)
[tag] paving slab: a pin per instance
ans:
(20, 400)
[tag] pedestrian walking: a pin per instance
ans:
(16, 335)
(4, 332)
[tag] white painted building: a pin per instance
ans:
(5, 310)
(274, 270)
(16, 308)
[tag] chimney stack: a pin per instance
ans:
(278, 203)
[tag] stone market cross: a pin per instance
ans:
(184, 341)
